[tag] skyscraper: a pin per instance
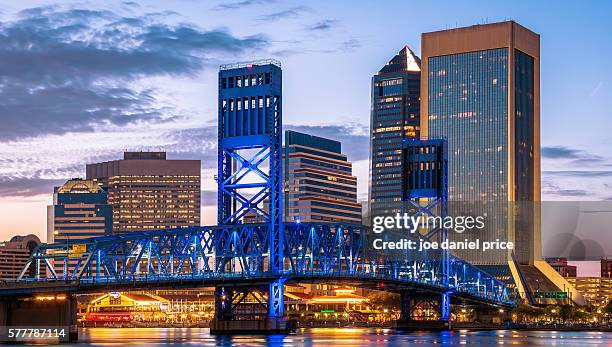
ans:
(318, 179)
(147, 191)
(481, 91)
(80, 210)
(394, 117)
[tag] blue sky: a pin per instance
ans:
(83, 81)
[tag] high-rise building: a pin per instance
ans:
(147, 191)
(318, 179)
(80, 210)
(481, 91)
(394, 117)
(14, 255)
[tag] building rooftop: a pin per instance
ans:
(482, 26)
(250, 63)
(80, 186)
(144, 156)
(404, 60)
(307, 140)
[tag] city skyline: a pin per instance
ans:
(170, 101)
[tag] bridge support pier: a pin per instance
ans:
(421, 311)
(246, 309)
(47, 311)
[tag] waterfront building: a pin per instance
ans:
(318, 180)
(14, 254)
(597, 290)
(148, 191)
(150, 307)
(395, 108)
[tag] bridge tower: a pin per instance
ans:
(425, 191)
(250, 163)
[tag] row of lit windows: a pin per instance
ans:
(389, 82)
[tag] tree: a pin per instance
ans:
(607, 310)
(527, 313)
(385, 300)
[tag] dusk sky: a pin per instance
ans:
(82, 82)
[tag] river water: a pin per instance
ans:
(345, 337)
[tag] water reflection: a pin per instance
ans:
(337, 337)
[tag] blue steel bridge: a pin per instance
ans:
(239, 259)
(235, 260)
(238, 254)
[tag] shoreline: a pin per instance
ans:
(456, 327)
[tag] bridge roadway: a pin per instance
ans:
(182, 281)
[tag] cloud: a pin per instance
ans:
(567, 185)
(351, 44)
(353, 137)
(240, 4)
(45, 162)
(323, 25)
(27, 187)
(577, 157)
(578, 173)
(76, 70)
(561, 152)
(288, 13)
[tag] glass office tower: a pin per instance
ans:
(480, 90)
(394, 117)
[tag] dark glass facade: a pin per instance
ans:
(468, 105)
(394, 118)
(523, 126)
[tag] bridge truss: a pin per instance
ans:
(239, 254)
